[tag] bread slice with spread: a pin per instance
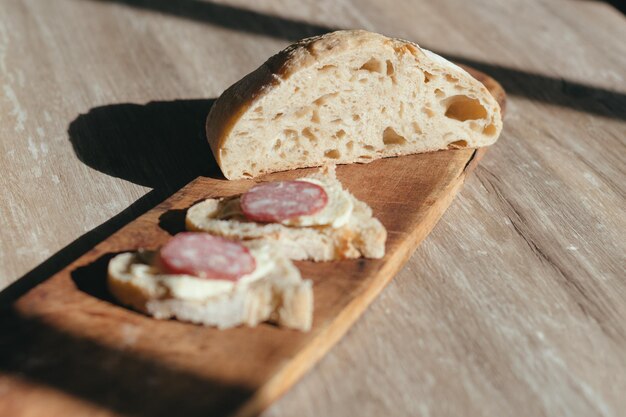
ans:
(310, 218)
(344, 97)
(213, 281)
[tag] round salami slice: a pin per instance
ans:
(282, 200)
(206, 256)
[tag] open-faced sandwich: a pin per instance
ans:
(214, 281)
(309, 218)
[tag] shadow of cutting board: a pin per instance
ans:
(67, 348)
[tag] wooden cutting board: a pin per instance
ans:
(68, 349)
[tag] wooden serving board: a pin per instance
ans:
(68, 349)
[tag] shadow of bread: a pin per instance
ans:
(108, 379)
(161, 144)
(173, 221)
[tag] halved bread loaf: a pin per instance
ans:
(348, 96)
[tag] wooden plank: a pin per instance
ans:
(248, 367)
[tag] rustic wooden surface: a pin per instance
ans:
(514, 305)
(234, 372)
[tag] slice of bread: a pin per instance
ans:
(278, 295)
(362, 235)
(344, 97)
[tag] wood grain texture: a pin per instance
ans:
(248, 367)
(514, 305)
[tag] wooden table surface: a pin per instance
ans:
(515, 305)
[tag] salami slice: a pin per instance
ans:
(206, 256)
(282, 200)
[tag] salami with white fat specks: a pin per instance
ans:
(283, 200)
(206, 256)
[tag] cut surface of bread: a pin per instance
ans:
(351, 230)
(274, 292)
(344, 97)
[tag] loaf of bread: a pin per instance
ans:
(344, 97)
(362, 235)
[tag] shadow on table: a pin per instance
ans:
(618, 4)
(115, 379)
(517, 82)
(92, 278)
(161, 144)
(79, 247)
(232, 17)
